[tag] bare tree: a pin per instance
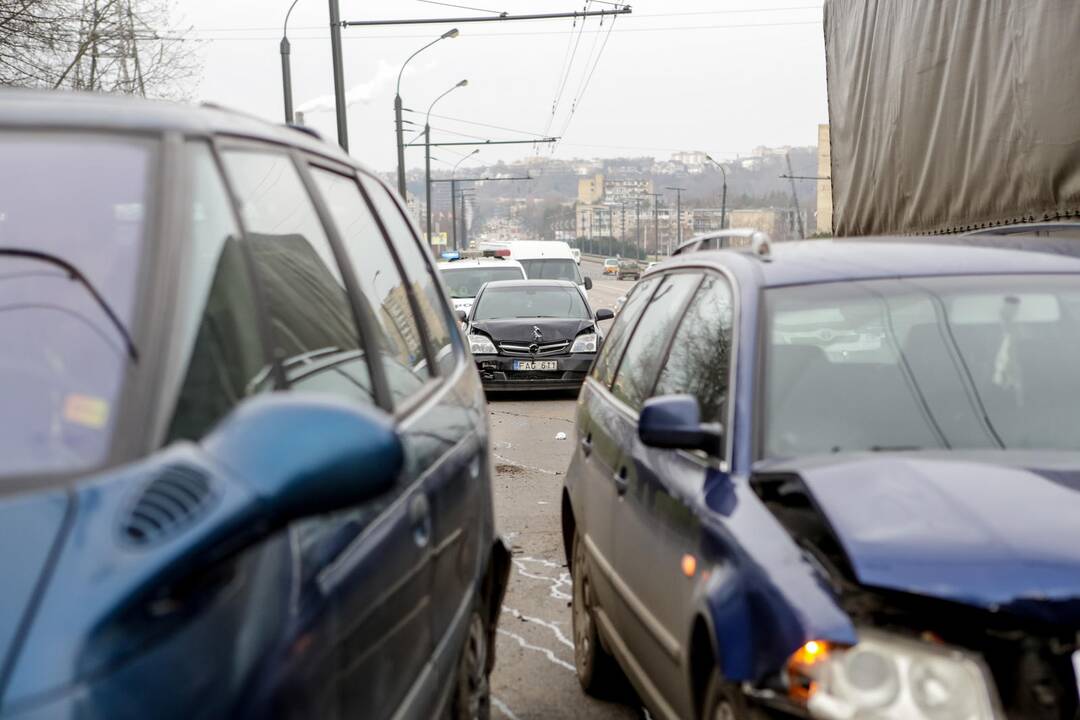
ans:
(119, 46)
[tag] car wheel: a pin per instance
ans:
(724, 701)
(472, 696)
(596, 669)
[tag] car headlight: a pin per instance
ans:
(584, 343)
(482, 345)
(887, 676)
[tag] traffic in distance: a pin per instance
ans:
(271, 450)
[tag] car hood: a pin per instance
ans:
(998, 530)
(521, 330)
(31, 528)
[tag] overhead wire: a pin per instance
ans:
(560, 86)
(585, 85)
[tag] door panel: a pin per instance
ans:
(367, 571)
(663, 557)
(642, 546)
(598, 452)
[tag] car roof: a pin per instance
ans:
(66, 110)
(479, 262)
(529, 283)
(820, 261)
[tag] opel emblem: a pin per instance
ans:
(534, 348)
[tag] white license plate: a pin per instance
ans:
(536, 365)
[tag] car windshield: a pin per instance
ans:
(552, 269)
(960, 363)
(81, 199)
(611, 262)
(465, 282)
(526, 301)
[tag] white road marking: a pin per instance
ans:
(501, 707)
(554, 583)
(525, 644)
(552, 626)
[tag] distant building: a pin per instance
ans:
(779, 223)
(590, 189)
(824, 187)
(624, 190)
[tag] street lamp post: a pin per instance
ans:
(723, 196)
(286, 69)
(453, 195)
(678, 215)
(397, 110)
(427, 153)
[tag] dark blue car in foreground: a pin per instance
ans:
(243, 450)
(837, 480)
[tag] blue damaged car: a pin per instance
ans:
(834, 480)
(244, 461)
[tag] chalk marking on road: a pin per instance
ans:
(552, 626)
(555, 583)
(501, 707)
(525, 644)
(523, 466)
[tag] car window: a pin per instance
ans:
(81, 199)
(700, 355)
(219, 317)
(958, 362)
(400, 342)
(429, 297)
(610, 352)
(645, 350)
(531, 301)
(314, 332)
(552, 269)
(465, 282)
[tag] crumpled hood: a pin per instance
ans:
(30, 528)
(520, 330)
(999, 530)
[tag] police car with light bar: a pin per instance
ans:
(464, 273)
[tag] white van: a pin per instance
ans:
(543, 260)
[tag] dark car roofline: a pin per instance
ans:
(801, 262)
(36, 110)
(530, 283)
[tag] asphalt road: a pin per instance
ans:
(534, 674)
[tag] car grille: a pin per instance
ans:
(520, 350)
(536, 375)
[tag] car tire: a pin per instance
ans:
(723, 700)
(472, 693)
(597, 671)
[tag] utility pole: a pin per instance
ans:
(723, 196)
(637, 227)
(656, 223)
(794, 197)
(678, 214)
(453, 210)
(339, 75)
(622, 224)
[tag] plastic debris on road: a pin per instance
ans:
(560, 436)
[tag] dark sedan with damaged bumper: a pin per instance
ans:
(839, 480)
(533, 335)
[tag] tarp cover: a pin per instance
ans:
(950, 115)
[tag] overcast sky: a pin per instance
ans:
(722, 76)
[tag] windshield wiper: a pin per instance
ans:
(75, 274)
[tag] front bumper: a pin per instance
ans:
(497, 372)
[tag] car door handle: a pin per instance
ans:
(420, 519)
(586, 445)
(620, 481)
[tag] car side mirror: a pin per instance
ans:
(304, 455)
(674, 421)
(604, 314)
(588, 282)
(462, 316)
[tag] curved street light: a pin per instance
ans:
(453, 196)
(453, 33)
(723, 196)
(427, 153)
(286, 70)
